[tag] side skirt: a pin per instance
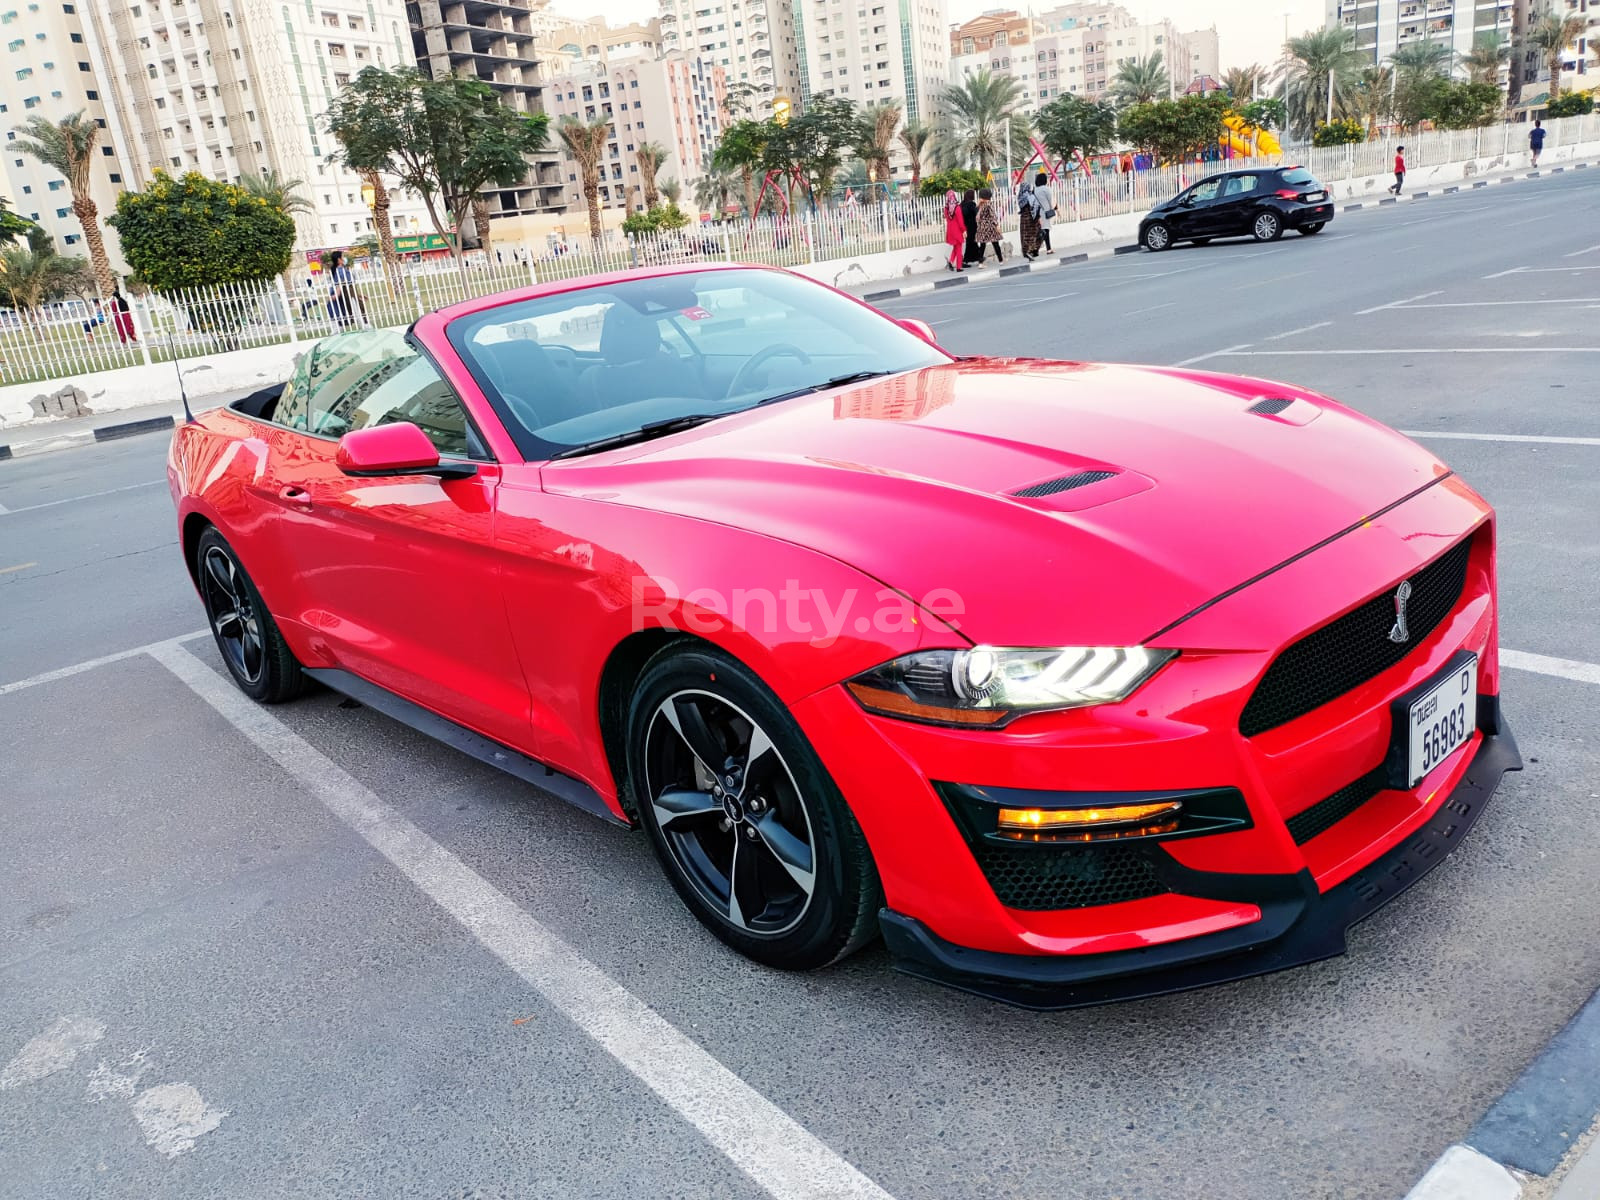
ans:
(459, 737)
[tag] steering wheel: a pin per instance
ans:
(742, 378)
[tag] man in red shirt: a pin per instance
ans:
(1399, 169)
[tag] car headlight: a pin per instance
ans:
(989, 685)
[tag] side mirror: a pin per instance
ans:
(398, 449)
(921, 328)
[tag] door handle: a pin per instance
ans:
(295, 495)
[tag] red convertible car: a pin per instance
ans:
(1076, 682)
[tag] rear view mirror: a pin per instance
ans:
(397, 449)
(921, 328)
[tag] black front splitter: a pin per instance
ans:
(1298, 925)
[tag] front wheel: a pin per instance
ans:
(255, 653)
(1314, 228)
(1157, 237)
(1268, 227)
(753, 833)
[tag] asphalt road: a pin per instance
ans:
(237, 961)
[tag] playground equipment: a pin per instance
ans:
(1244, 141)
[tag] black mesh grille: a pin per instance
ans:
(1040, 878)
(1270, 407)
(1345, 653)
(1066, 483)
(1325, 814)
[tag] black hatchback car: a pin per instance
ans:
(1259, 202)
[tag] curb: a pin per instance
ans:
(1533, 1124)
(1026, 268)
(86, 437)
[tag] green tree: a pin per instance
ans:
(445, 139)
(1551, 34)
(649, 156)
(671, 190)
(657, 219)
(1462, 104)
(1242, 83)
(1417, 68)
(1487, 56)
(585, 142)
(957, 179)
(1571, 104)
(978, 120)
(68, 147)
(1141, 80)
(1321, 63)
(1341, 132)
(31, 277)
(1520, 18)
(916, 138)
(195, 232)
(1070, 126)
(813, 144)
(743, 148)
(715, 190)
(1269, 112)
(12, 226)
(1372, 98)
(880, 122)
(1175, 130)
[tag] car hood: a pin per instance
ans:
(1060, 502)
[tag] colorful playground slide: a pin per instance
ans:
(1244, 142)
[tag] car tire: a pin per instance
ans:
(253, 650)
(1267, 227)
(1156, 237)
(740, 832)
(1315, 227)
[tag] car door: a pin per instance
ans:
(1235, 209)
(396, 578)
(1193, 217)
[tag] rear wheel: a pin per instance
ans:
(1157, 237)
(1314, 227)
(256, 655)
(753, 833)
(1268, 227)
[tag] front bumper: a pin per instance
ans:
(1297, 925)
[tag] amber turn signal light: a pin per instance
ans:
(1039, 820)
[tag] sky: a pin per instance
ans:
(1248, 30)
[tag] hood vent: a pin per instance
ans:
(1270, 406)
(1066, 483)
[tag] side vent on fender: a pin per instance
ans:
(1270, 406)
(1066, 483)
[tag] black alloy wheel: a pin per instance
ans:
(255, 653)
(1157, 237)
(1268, 226)
(752, 832)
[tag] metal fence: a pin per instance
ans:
(63, 340)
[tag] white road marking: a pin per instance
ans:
(1541, 664)
(1041, 300)
(53, 1050)
(1396, 303)
(109, 1083)
(1200, 358)
(8, 512)
(1462, 1173)
(1581, 253)
(1505, 303)
(3, 510)
(1413, 350)
(1554, 270)
(1276, 279)
(1503, 274)
(761, 1139)
(1288, 333)
(1503, 437)
(17, 567)
(79, 668)
(1152, 308)
(173, 1115)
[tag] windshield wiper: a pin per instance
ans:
(644, 433)
(836, 381)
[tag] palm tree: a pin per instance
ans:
(480, 224)
(1552, 34)
(978, 118)
(29, 277)
(671, 190)
(650, 156)
(585, 141)
(68, 147)
(1417, 67)
(1321, 64)
(915, 139)
(1140, 81)
(1372, 99)
(714, 190)
(285, 195)
(1242, 82)
(879, 122)
(743, 148)
(1519, 53)
(1484, 60)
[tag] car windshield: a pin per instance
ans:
(627, 360)
(1298, 175)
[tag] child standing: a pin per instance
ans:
(1399, 169)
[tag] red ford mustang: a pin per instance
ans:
(1077, 682)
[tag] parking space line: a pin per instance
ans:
(759, 1138)
(1236, 353)
(1200, 358)
(11, 512)
(1541, 664)
(1288, 333)
(1581, 253)
(1397, 303)
(1505, 303)
(17, 567)
(104, 660)
(1504, 437)
(1153, 308)
(1503, 274)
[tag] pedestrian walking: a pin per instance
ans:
(1047, 207)
(1028, 219)
(1399, 169)
(344, 301)
(988, 226)
(122, 317)
(1536, 141)
(955, 231)
(971, 253)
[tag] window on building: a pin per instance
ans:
(115, 178)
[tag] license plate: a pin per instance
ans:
(1313, 197)
(1437, 720)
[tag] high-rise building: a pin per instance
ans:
(1382, 26)
(873, 50)
(49, 71)
(492, 40)
(753, 41)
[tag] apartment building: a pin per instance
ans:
(1382, 26)
(565, 43)
(675, 101)
(49, 70)
(873, 50)
(753, 41)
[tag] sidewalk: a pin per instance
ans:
(43, 437)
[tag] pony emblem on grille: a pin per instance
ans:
(1402, 596)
